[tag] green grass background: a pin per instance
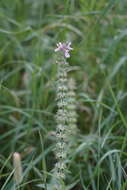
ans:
(29, 31)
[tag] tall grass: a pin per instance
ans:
(29, 30)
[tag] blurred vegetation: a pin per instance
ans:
(29, 31)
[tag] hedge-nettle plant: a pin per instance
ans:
(62, 112)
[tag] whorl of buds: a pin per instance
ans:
(71, 108)
(18, 176)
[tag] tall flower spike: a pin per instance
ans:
(62, 114)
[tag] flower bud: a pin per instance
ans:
(18, 176)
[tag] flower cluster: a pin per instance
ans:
(65, 48)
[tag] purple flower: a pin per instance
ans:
(65, 48)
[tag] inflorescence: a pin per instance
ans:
(62, 112)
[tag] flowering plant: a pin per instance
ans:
(62, 111)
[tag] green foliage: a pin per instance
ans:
(29, 30)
